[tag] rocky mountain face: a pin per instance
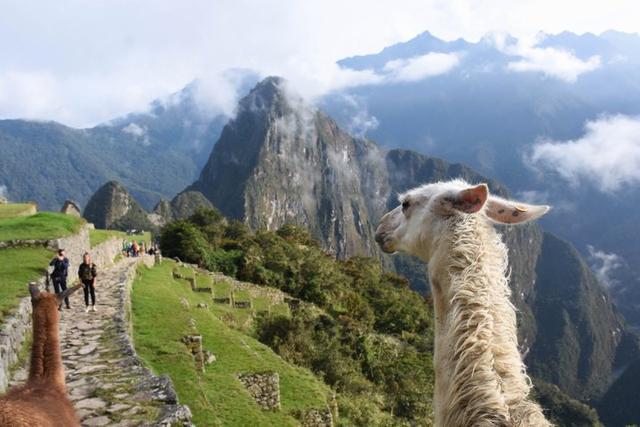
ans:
(112, 207)
(280, 161)
(182, 206)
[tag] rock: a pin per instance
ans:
(87, 349)
(92, 403)
(264, 387)
(71, 208)
(97, 421)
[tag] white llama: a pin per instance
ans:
(480, 376)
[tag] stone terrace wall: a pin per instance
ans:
(264, 387)
(160, 387)
(104, 253)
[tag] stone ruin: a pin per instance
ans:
(71, 208)
(317, 418)
(264, 387)
(202, 357)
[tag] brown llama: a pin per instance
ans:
(43, 400)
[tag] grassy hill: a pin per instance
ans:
(216, 397)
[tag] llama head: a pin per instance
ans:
(425, 213)
(45, 302)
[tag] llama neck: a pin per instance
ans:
(46, 361)
(479, 372)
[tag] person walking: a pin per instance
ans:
(60, 266)
(87, 274)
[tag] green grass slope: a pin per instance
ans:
(41, 226)
(215, 397)
(17, 268)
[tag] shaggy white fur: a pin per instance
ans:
(480, 377)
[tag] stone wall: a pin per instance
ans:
(104, 253)
(264, 387)
(159, 387)
(317, 418)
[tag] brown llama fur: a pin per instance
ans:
(42, 401)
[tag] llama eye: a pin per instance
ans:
(405, 206)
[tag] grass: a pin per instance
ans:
(41, 226)
(18, 267)
(100, 236)
(215, 397)
(16, 209)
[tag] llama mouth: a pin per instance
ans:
(383, 242)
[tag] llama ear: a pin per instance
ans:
(62, 295)
(34, 290)
(470, 200)
(509, 212)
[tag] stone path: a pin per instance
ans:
(105, 379)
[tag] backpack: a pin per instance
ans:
(87, 272)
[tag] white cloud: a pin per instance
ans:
(607, 155)
(604, 264)
(138, 132)
(28, 94)
(554, 63)
(3, 192)
(420, 67)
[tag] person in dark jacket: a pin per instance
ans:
(60, 266)
(87, 274)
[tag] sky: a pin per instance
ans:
(85, 62)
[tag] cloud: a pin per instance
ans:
(604, 265)
(3, 192)
(556, 63)
(552, 62)
(607, 155)
(138, 132)
(420, 67)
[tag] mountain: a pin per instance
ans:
(182, 206)
(488, 103)
(281, 161)
(155, 153)
(112, 207)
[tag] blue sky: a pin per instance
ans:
(84, 62)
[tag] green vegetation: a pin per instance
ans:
(16, 209)
(216, 397)
(18, 267)
(41, 226)
(371, 340)
(100, 236)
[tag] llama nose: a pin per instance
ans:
(380, 238)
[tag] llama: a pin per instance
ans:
(481, 379)
(42, 401)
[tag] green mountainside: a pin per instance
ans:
(365, 333)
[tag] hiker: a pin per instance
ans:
(135, 248)
(87, 274)
(59, 275)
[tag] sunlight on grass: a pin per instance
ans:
(17, 268)
(41, 226)
(215, 397)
